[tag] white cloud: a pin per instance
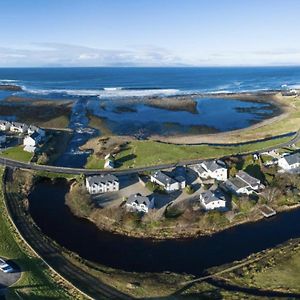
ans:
(55, 54)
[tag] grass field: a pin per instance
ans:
(35, 282)
(17, 153)
(277, 270)
(148, 153)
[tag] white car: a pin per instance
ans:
(5, 267)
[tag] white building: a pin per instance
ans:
(243, 184)
(215, 169)
(109, 164)
(4, 125)
(102, 183)
(18, 127)
(167, 182)
(31, 142)
(213, 199)
(139, 203)
(290, 161)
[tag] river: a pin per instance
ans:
(191, 256)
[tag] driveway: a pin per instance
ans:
(129, 184)
(8, 279)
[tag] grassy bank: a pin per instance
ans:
(36, 281)
(149, 153)
(275, 269)
(17, 153)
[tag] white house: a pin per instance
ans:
(32, 128)
(213, 198)
(31, 142)
(243, 183)
(18, 127)
(102, 183)
(109, 164)
(167, 182)
(139, 203)
(290, 161)
(215, 169)
(4, 125)
(2, 138)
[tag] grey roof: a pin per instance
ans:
(212, 195)
(34, 135)
(214, 165)
(4, 122)
(198, 168)
(33, 128)
(163, 178)
(252, 181)
(138, 199)
(235, 184)
(17, 124)
(292, 159)
(101, 179)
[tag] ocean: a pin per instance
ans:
(123, 82)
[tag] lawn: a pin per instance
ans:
(148, 153)
(17, 153)
(35, 282)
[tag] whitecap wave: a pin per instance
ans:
(107, 92)
(7, 81)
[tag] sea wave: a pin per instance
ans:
(7, 81)
(106, 92)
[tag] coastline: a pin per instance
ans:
(284, 109)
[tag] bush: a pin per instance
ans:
(189, 189)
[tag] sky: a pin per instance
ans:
(67, 33)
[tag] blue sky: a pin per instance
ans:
(149, 32)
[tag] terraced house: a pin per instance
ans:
(102, 184)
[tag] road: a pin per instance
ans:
(77, 171)
(52, 253)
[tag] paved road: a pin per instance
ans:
(8, 279)
(51, 253)
(17, 164)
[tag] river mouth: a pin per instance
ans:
(192, 256)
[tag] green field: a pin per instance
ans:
(35, 282)
(150, 153)
(17, 153)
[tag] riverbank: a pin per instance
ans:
(37, 281)
(186, 219)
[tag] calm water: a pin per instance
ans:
(189, 256)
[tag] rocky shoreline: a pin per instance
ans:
(10, 88)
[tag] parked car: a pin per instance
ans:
(5, 267)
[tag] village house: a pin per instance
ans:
(213, 198)
(102, 183)
(215, 169)
(139, 203)
(32, 128)
(290, 161)
(167, 182)
(5, 125)
(18, 127)
(243, 184)
(31, 142)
